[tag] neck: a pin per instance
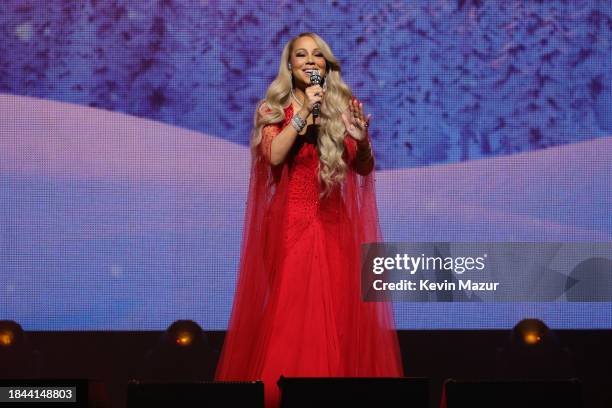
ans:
(299, 95)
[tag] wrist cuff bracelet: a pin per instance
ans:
(298, 123)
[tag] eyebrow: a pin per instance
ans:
(304, 49)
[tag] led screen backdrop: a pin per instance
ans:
(125, 124)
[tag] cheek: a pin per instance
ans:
(324, 67)
(297, 61)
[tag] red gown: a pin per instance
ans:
(298, 309)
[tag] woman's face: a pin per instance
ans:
(305, 57)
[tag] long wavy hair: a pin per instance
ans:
(330, 143)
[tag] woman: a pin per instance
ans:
(298, 309)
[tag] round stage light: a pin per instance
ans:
(531, 332)
(6, 338)
(10, 333)
(184, 339)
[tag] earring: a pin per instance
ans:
(289, 66)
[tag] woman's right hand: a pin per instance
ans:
(314, 94)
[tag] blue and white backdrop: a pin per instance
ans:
(124, 128)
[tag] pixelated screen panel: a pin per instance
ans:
(124, 154)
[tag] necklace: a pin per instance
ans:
(296, 99)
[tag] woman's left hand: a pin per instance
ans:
(355, 120)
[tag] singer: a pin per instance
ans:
(311, 204)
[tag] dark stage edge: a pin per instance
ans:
(112, 358)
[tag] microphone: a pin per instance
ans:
(315, 79)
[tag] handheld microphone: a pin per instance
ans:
(315, 79)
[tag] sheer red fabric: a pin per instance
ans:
(298, 309)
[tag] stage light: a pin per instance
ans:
(182, 354)
(184, 339)
(10, 333)
(533, 351)
(185, 333)
(531, 338)
(6, 338)
(531, 332)
(17, 358)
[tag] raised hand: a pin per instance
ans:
(355, 120)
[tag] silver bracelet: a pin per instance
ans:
(298, 123)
